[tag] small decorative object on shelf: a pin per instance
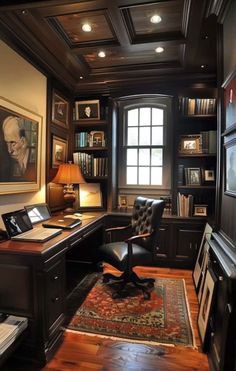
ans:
(200, 210)
(190, 144)
(193, 176)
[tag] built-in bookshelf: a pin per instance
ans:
(196, 147)
(91, 139)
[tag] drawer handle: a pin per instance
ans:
(55, 299)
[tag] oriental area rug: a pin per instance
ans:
(163, 319)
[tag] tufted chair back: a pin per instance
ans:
(146, 218)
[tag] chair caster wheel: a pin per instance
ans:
(146, 295)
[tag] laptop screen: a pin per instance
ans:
(16, 222)
(38, 212)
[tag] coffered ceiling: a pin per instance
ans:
(49, 33)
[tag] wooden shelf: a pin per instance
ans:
(96, 177)
(90, 149)
(92, 123)
(197, 155)
(196, 187)
(190, 117)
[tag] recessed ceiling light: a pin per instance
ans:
(159, 49)
(102, 54)
(155, 19)
(86, 27)
(203, 66)
(81, 77)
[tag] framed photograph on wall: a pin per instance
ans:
(87, 110)
(90, 195)
(206, 304)
(21, 148)
(59, 151)
(60, 110)
(230, 101)
(230, 165)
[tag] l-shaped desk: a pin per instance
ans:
(35, 278)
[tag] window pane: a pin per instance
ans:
(157, 156)
(157, 116)
(157, 135)
(144, 136)
(132, 139)
(131, 175)
(156, 176)
(144, 174)
(144, 156)
(132, 157)
(133, 117)
(145, 116)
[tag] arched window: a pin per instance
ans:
(145, 142)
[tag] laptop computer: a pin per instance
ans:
(41, 212)
(20, 228)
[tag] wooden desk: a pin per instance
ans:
(33, 280)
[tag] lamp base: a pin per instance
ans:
(68, 210)
(69, 198)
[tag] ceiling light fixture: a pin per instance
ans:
(159, 49)
(81, 77)
(102, 54)
(203, 66)
(155, 19)
(86, 27)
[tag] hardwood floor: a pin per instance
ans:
(83, 352)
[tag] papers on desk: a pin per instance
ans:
(10, 329)
(82, 217)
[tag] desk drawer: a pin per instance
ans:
(55, 292)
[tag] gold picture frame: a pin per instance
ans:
(60, 110)
(190, 144)
(16, 176)
(87, 110)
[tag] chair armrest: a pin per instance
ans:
(118, 228)
(134, 238)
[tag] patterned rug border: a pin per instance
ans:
(141, 341)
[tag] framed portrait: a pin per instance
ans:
(190, 144)
(20, 148)
(203, 249)
(209, 175)
(60, 110)
(193, 176)
(96, 139)
(199, 210)
(230, 165)
(206, 303)
(90, 195)
(87, 110)
(230, 102)
(59, 151)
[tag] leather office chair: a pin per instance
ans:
(139, 249)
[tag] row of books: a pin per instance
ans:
(197, 106)
(90, 165)
(92, 139)
(184, 205)
(10, 329)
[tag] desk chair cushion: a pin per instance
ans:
(115, 253)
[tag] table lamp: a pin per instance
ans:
(69, 174)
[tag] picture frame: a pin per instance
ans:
(206, 304)
(230, 165)
(230, 101)
(87, 110)
(123, 202)
(90, 196)
(190, 144)
(20, 176)
(193, 176)
(199, 210)
(59, 151)
(209, 175)
(96, 139)
(60, 110)
(204, 247)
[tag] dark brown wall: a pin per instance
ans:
(228, 203)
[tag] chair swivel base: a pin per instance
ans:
(123, 290)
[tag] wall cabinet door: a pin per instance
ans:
(186, 242)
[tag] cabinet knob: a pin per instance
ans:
(221, 278)
(190, 245)
(55, 278)
(55, 299)
(212, 334)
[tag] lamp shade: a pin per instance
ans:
(69, 174)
